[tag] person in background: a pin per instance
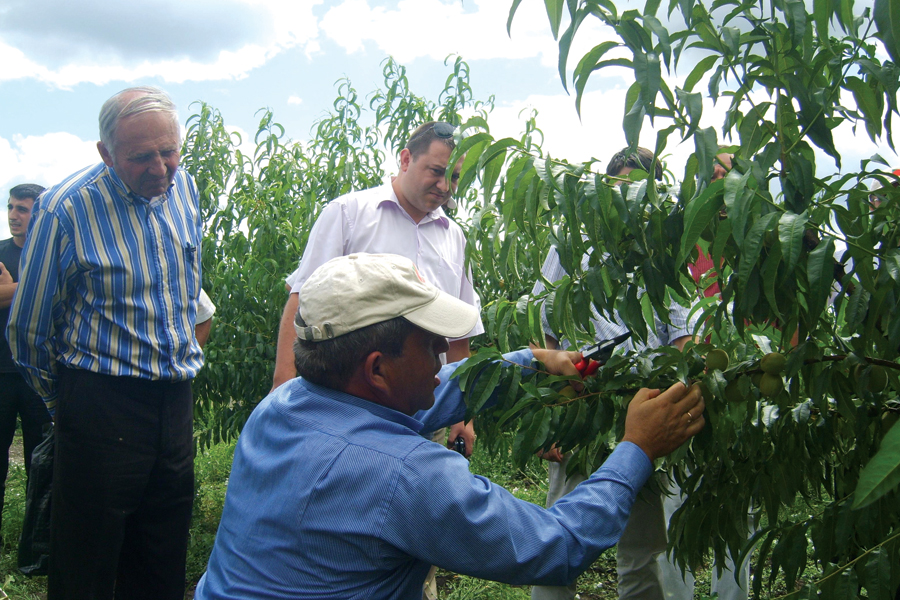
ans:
(876, 197)
(362, 519)
(704, 263)
(644, 570)
(406, 218)
(103, 326)
(17, 400)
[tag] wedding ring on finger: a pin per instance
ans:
(690, 417)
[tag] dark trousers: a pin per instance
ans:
(18, 400)
(123, 484)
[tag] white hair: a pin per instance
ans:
(129, 102)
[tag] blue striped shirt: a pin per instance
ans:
(109, 282)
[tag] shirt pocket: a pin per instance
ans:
(449, 276)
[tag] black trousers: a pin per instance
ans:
(17, 399)
(123, 484)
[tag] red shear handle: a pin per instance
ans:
(587, 367)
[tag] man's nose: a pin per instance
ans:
(443, 185)
(158, 166)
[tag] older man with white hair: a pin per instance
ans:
(103, 328)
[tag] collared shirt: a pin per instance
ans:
(373, 221)
(605, 329)
(205, 308)
(109, 282)
(332, 496)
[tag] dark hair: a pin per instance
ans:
(331, 363)
(421, 139)
(640, 159)
(25, 191)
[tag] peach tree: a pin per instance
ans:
(807, 264)
(260, 199)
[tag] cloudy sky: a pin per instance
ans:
(61, 59)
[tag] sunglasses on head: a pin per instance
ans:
(440, 129)
(443, 130)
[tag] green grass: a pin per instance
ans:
(13, 583)
(212, 468)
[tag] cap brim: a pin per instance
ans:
(445, 316)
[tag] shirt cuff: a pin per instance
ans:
(629, 461)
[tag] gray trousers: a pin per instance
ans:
(644, 571)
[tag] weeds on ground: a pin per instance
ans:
(211, 467)
(13, 583)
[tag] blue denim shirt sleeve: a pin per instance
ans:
(484, 531)
(449, 405)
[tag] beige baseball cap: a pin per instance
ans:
(351, 292)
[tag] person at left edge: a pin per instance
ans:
(17, 400)
(102, 327)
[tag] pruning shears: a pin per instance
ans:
(594, 357)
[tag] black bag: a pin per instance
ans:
(34, 545)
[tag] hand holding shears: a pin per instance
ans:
(594, 357)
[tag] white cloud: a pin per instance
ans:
(436, 28)
(238, 38)
(44, 159)
(295, 100)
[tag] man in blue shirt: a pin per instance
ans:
(103, 328)
(331, 493)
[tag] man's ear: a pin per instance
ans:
(105, 154)
(405, 159)
(375, 373)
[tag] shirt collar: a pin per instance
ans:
(382, 412)
(129, 196)
(437, 214)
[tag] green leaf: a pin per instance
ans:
(753, 242)
(512, 13)
(877, 573)
(820, 274)
(489, 175)
(892, 264)
(795, 15)
(882, 473)
(887, 21)
(662, 34)
(648, 73)
(554, 14)
(822, 14)
(769, 274)
(706, 146)
(469, 369)
(699, 71)
(857, 307)
(697, 215)
(867, 101)
(732, 38)
(634, 115)
(537, 433)
(485, 386)
(790, 233)
(693, 104)
(589, 63)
